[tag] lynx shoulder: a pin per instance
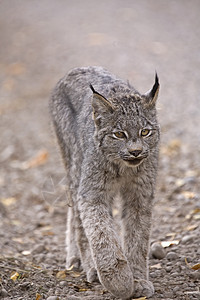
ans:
(108, 135)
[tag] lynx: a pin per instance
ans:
(109, 140)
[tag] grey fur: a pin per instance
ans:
(98, 120)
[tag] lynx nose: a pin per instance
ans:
(135, 152)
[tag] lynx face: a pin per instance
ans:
(130, 141)
(126, 126)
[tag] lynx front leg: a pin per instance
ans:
(136, 220)
(111, 264)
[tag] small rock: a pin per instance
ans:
(195, 275)
(38, 249)
(168, 295)
(40, 257)
(24, 285)
(193, 293)
(168, 269)
(176, 289)
(157, 251)
(53, 298)
(184, 286)
(187, 239)
(175, 274)
(62, 283)
(172, 256)
(3, 293)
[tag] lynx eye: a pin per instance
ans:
(119, 134)
(145, 132)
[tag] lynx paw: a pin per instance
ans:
(74, 261)
(143, 288)
(92, 275)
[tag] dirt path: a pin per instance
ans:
(40, 42)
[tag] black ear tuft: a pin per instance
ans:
(152, 95)
(93, 90)
(155, 87)
(101, 105)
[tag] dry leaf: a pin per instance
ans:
(196, 267)
(83, 290)
(16, 222)
(191, 173)
(46, 233)
(172, 148)
(157, 266)
(8, 201)
(186, 261)
(16, 69)
(166, 244)
(180, 182)
(196, 217)
(18, 240)
(61, 275)
(171, 235)
(188, 194)
(191, 227)
(195, 214)
(38, 296)
(39, 159)
(14, 276)
(75, 274)
(70, 268)
(47, 230)
(196, 211)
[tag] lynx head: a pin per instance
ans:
(126, 124)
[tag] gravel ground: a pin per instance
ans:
(40, 42)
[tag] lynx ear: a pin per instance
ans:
(101, 106)
(152, 95)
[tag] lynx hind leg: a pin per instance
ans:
(85, 253)
(73, 256)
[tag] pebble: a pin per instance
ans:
(3, 293)
(38, 249)
(195, 275)
(62, 283)
(157, 251)
(40, 257)
(190, 180)
(168, 295)
(53, 298)
(176, 289)
(188, 239)
(24, 285)
(168, 269)
(172, 256)
(175, 274)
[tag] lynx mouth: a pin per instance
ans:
(134, 161)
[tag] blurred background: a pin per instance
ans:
(42, 40)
